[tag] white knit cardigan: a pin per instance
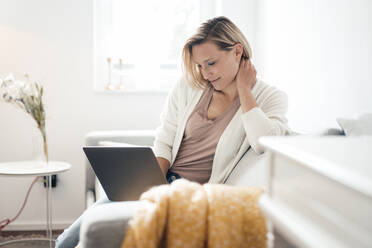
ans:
(240, 135)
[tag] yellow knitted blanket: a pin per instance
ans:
(187, 214)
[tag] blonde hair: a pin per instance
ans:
(223, 33)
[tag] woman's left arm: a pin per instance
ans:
(267, 119)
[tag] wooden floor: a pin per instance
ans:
(10, 235)
(280, 242)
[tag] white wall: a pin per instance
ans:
(52, 41)
(243, 14)
(320, 53)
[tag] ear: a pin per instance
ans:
(238, 51)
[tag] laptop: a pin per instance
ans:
(125, 172)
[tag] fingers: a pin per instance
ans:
(243, 63)
(247, 64)
(251, 66)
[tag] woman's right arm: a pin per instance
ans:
(164, 164)
(166, 132)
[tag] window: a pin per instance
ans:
(138, 44)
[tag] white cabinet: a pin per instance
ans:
(320, 190)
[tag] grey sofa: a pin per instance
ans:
(105, 225)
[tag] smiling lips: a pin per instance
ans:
(214, 80)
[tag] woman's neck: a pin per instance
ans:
(230, 92)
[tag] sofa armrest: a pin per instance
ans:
(105, 225)
(136, 137)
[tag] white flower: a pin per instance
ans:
(30, 89)
(16, 90)
(28, 97)
(9, 79)
(27, 93)
(13, 90)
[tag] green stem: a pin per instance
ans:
(45, 148)
(45, 144)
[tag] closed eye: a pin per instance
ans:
(209, 64)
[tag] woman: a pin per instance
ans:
(215, 114)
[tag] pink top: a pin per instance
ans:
(195, 156)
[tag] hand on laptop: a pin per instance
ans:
(164, 164)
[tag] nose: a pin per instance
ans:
(207, 74)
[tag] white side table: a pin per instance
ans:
(37, 168)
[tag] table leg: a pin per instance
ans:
(49, 210)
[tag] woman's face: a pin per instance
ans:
(217, 66)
